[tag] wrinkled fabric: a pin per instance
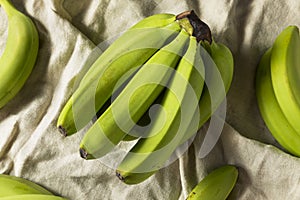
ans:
(31, 146)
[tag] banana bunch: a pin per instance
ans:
(19, 56)
(217, 185)
(278, 89)
(12, 187)
(165, 59)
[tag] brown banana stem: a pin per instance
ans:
(200, 29)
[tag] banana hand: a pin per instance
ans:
(270, 110)
(19, 56)
(285, 74)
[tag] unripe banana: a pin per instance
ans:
(285, 74)
(218, 76)
(11, 185)
(219, 68)
(217, 185)
(155, 21)
(270, 110)
(223, 60)
(19, 56)
(126, 54)
(32, 197)
(144, 123)
(179, 104)
(133, 101)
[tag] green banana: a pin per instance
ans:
(155, 21)
(19, 56)
(144, 123)
(32, 197)
(12, 185)
(133, 101)
(179, 104)
(285, 74)
(294, 72)
(217, 185)
(126, 54)
(219, 68)
(270, 110)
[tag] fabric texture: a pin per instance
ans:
(31, 146)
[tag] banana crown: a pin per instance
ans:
(189, 21)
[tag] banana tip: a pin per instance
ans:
(118, 174)
(83, 153)
(62, 131)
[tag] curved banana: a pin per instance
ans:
(133, 101)
(19, 56)
(124, 55)
(270, 110)
(219, 72)
(219, 68)
(155, 21)
(179, 104)
(32, 197)
(12, 185)
(217, 185)
(144, 123)
(285, 74)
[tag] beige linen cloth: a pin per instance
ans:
(31, 146)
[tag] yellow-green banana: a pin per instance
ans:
(125, 55)
(179, 104)
(285, 74)
(219, 68)
(19, 56)
(217, 185)
(12, 185)
(220, 72)
(32, 197)
(270, 110)
(144, 123)
(155, 21)
(134, 100)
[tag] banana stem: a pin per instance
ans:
(200, 29)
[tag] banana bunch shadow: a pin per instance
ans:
(155, 85)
